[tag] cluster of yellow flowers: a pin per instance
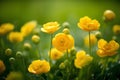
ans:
(26, 29)
(61, 44)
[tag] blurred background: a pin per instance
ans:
(21, 11)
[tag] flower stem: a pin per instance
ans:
(51, 35)
(89, 44)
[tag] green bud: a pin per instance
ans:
(98, 35)
(8, 51)
(66, 31)
(35, 39)
(12, 60)
(76, 78)
(36, 31)
(73, 52)
(27, 46)
(66, 25)
(62, 66)
(114, 37)
(66, 62)
(19, 54)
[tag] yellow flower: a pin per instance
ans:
(39, 67)
(14, 76)
(82, 59)
(28, 27)
(116, 29)
(55, 54)
(2, 67)
(62, 41)
(87, 24)
(15, 37)
(93, 40)
(50, 27)
(5, 28)
(107, 49)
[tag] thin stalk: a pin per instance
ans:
(89, 44)
(68, 74)
(38, 54)
(51, 35)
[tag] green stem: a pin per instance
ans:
(68, 67)
(89, 44)
(51, 35)
(38, 54)
(67, 55)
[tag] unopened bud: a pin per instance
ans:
(36, 31)
(62, 66)
(66, 62)
(19, 54)
(66, 25)
(36, 39)
(98, 35)
(12, 60)
(8, 51)
(114, 37)
(73, 52)
(27, 46)
(66, 31)
(109, 15)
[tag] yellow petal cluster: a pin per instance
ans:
(5, 28)
(107, 49)
(62, 41)
(88, 24)
(56, 54)
(82, 59)
(39, 67)
(28, 27)
(93, 40)
(15, 37)
(50, 27)
(2, 67)
(116, 29)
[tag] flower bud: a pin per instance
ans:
(73, 52)
(66, 25)
(36, 31)
(27, 46)
(114, 37)
(116, 29)
(8, 51)
(35, 39)
(66, 31)
(98, 35)
(12, 60)
(62, 66)
(19, 54)
(109, 15)
(66, 62)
